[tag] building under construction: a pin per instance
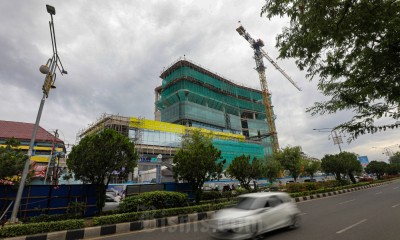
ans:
(192, 97)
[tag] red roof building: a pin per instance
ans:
(23, 133)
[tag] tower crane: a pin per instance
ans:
(259, 53)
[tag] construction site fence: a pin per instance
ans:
(48, 199)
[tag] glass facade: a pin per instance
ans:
(156, 138)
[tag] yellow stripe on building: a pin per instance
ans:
(40, 158)
(35, 148)
(176, 128)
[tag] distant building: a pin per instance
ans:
(43, 144)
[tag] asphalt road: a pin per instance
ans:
(372, 213)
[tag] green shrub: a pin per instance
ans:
(310, 186)
(52, 218)
(153, 200)
(43, 227)
(227, 194)
(239, 191)
(134, 216)
(210, 195)
(294, 187)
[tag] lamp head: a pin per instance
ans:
(51, 10)
(44, 69)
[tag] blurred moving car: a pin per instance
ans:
(111, 203)
(255, 214)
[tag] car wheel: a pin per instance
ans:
(294, 222)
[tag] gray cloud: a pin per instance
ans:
(114, 52)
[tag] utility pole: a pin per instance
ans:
(50, 70)
(337, 138)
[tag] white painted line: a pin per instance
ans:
(378, 193)
(396, 205)
(347, 201)
(303, 213)
(349, 227)
(395, 188)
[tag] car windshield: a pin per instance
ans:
(246, 203)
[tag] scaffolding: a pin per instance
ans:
(192, 95)
(116, 122)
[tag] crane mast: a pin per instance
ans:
(259, 53)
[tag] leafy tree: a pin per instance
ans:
(353, 48)
(377, 168)
(12, 159)
(344, 163)
(197, 161)
(393, 169)
(245, 170)
(272, 169)
(332, 164)
(353, 165)
(395, 159)
(311, 167)
(97, 156)
(291, 160)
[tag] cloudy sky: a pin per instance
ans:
(114, 52)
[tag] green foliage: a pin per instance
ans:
(96, 156)
(311, 167)
(272, 169)
(352, 48)
(197, 161)
(53, 218)
(294, 187)
(43, 227)
(378, 168)
(244, 171)
(76, 208)
(395, 159)
(209, 195)
(344, 163)
(134, 216)
(290, 159)
(12, 159)
(393, 169)
(153, 200)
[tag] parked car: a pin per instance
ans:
(255, 214)
(310, 180)
(111, 203)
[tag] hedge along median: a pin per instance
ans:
(43, 227)
(134, 216)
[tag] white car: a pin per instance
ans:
(255, 214)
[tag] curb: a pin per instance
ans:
(98, 231)
(328, 194)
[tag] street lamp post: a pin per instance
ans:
(48, 69)
(337, 138)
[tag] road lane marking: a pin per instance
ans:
(396, 205)
(347, 201)
(378, 193)
(349, 227)
(395, 188)
(303, 213)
